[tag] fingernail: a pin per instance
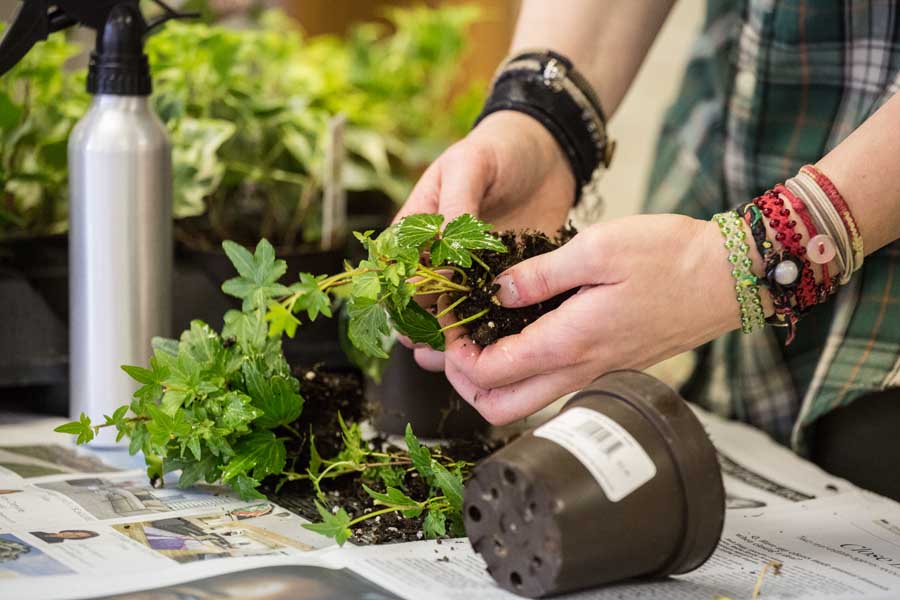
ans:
(507, 293)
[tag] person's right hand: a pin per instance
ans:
(509, 172)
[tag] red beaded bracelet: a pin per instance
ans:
(826, 288)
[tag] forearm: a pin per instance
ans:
(607, 41)
(866, 170)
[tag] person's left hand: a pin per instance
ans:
(650, 287)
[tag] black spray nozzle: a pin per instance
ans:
(36, 19)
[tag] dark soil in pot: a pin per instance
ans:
(328, 392)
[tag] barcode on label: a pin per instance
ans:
(609, 452)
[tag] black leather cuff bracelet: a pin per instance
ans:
(545, 86)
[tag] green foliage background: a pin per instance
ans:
(247, 112)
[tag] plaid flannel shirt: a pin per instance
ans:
(773, 85)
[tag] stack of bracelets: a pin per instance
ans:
(546, 86)
(789, 251)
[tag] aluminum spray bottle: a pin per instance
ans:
(120, 231)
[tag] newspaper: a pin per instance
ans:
(76, 524)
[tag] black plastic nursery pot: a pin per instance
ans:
(408, 393)
(623, 483)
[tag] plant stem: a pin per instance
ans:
(477, 315)
(375, 513)
(293, 431)
(480, 262)
(451, 307)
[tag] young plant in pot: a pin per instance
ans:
(226, 406)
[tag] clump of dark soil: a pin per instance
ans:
(327, 392)
(499, 321)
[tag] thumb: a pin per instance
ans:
(542, 277)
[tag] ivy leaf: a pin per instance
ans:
(192, 471)
(450, 485)
(260, 452)
(281, 320)
(258, 274)
(368, 326)
(248, 329)
(276, 397)
(366, 284)
(312, 300)
(237, 411)
(394, 498)
(335, 525)
(151, 379)
(315, 461)
(435, 524)
(82, 428)
(418, 325)
(462, 235)
(419, 455)
(246, 486)
(415, 231)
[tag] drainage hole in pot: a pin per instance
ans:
(507, 524)
(499, 548)
(474, 513)
(536, 563)
(528, 513)
(515, 579)
(509, 476)
(490, 495)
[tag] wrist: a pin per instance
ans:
(531, 147)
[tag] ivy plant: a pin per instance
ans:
(220, 406)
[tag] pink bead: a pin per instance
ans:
(820, 249)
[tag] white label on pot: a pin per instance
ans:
(611, 454)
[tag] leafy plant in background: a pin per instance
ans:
(39, 104)
(220, 406)
(247, 112)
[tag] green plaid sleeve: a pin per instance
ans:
(772, 86)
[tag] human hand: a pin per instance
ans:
(509, 171)
(651, 286)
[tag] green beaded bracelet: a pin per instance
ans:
(746, 284)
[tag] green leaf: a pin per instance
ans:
(82, 428)
(276, 396)
(152, 378)
(418, 325)
(368, 326)
(237, 411)
(315, 461)
(335, 525)
(415, 231)
(258, 274)
(312, 299)
(260, 452)
(462, 235)
(246, 486)
(420, 456)
(449, 483)
(366, 284)
(248, 329)
(192, 471)
(435, 524)
(394, 498)
(281, 320)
